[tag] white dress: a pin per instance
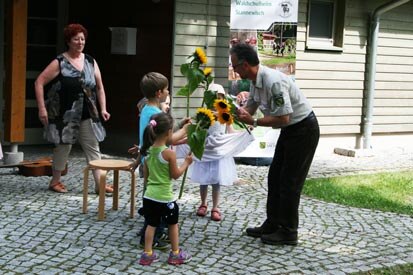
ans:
(217, 164)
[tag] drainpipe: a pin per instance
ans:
(371, 72)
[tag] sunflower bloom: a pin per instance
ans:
(200, 55)
(207, 71)
(225, 118)
(205, 117)
(221, 105)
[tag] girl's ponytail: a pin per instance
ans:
(159, 124)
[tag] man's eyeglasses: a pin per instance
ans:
(238, 64)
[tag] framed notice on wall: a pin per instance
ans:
(123, 41)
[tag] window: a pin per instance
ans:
(325, 25)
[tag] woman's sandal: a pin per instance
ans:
(58, 187)
(202, 211)
(215, 215)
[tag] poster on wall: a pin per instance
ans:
(270, 26)
(260, 14)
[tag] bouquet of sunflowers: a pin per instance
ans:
(205, 116)
(223, 109)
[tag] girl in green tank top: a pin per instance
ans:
(160, 166)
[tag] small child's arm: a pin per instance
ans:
(135, 150)
(145, 175)
(180, 135)
(175, 171)
(181, 123)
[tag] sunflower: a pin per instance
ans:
(200, 55)
(207, 71)
(205, 117)
(225, 118)
(221, 105)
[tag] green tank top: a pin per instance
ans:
(159, 186)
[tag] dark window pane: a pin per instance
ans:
(32, 118)
(30, 89)
(41, 32)
(321, 19)
(47, 8)
(39, 57)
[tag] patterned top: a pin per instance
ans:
(65, 102)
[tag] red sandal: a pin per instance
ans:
(202, 211)
(58, 187)
(215, 215)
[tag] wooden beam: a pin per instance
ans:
(15, 82)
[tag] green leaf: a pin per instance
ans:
(209, 98)
(195, 76)
(184, 91)
(196, 140)
(241, 125)
(184, 69)
(210, 78)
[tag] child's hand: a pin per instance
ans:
(242, 98)
(134, 164)
(185, 127)
(181, 141)
(189, 159)
(134, 150)
(184, 121)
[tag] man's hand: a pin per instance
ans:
(244, 116)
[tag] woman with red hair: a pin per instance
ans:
(74, 106)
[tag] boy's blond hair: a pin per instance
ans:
(153, 82)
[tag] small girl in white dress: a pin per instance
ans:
(217, 166)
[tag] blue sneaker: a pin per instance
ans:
(148, 260)
(181, 258)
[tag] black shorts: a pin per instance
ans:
(154, 211)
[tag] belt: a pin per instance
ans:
(310, 116)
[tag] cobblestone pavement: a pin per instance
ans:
(42, 232)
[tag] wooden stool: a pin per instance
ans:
(109, 165)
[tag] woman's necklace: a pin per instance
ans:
(77, 62)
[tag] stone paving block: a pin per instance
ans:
(329, 233)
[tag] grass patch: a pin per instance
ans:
(391, 192)
(278, 60)
(268, 59)
(406, 269)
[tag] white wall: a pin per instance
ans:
(205, 24)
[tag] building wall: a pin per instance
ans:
(1, 68)
(205, 24)
(121, 73)
(335, 81)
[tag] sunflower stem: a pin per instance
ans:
(182, 184)
(187, 105)
(246, 128)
